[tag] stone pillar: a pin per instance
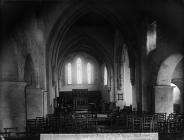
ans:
(164, 99)
(35, 103)
(12, 105)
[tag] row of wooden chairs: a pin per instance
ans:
(61, 124)
(86, 122)
(157, 122)
(175, 122)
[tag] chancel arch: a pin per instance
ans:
(80, 42)
(57, 36)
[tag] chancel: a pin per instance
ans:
(93, 68)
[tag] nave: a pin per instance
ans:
(75, 67)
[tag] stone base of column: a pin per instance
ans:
(12, 105)
(35, 103)
(164, 99)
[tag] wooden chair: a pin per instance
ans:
(31, 128)
(53, 124)
(175, 123)
(147, 123)
(68, 125)
(41, 125)
(160, 123)
(91, 125)
(129, 122)
(80, 124)
(137, 123)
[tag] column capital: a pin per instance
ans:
(163, 86)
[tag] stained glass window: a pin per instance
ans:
(79, 71)
(151, 37)
(89, 73)
(69, 71)
(105, 76)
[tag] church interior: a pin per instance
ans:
(74, 67)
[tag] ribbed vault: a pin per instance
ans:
(62, 26)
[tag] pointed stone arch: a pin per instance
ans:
(167, 68)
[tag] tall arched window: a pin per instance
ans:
(79, 71)
(151, 37)
(105, 76)
(89, 73)
(69, 71)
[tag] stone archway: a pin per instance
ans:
(167, 68)
(54, 45)
(163, 89)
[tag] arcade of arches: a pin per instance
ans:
(127, 54)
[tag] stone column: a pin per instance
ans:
(12, 105)
(163, 99)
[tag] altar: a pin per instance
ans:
(101, 136)
(80, 99)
